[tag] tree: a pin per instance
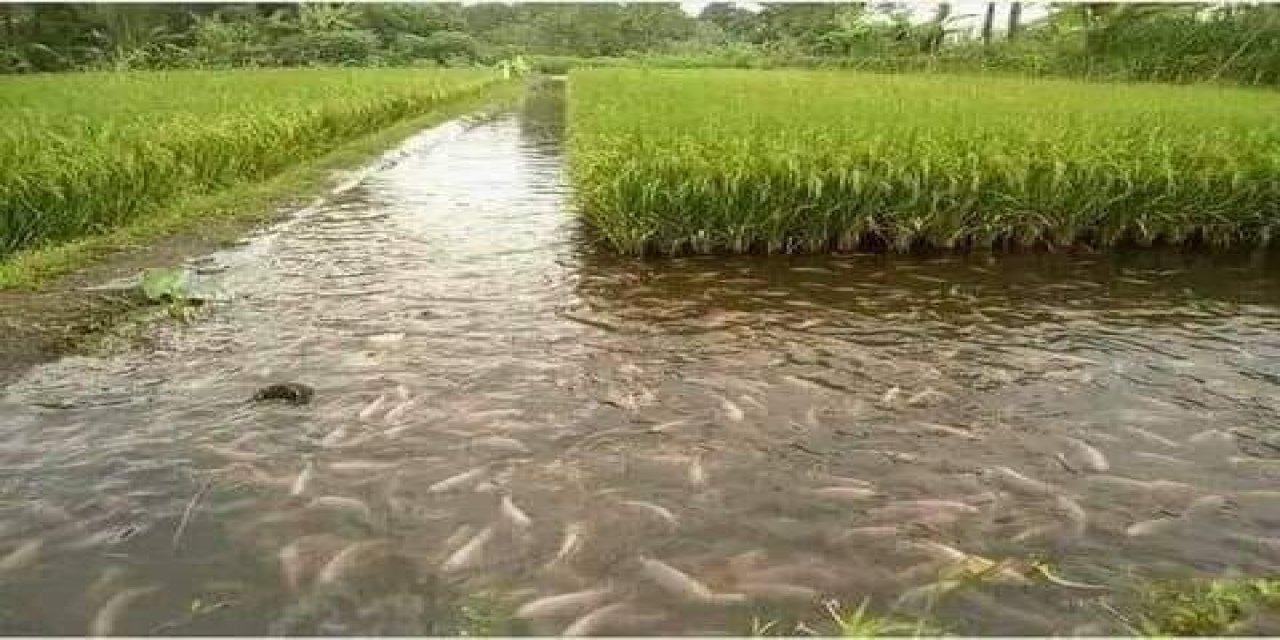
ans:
(988, 23)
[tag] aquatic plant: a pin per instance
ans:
(1207, 607)
(676, 162)
(85, 153)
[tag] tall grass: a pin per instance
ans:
(84, 153)
(800, 161)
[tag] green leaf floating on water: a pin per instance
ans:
(165, 285)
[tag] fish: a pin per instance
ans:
(470, 553)
(890, 396)
(1088, 457)
(667, 426)
(947, 430)
(513, 515)
(1266, 545)
(1215, 437)
(570, 544)
(108, 615)
(343, 504)
(845, 493)
(299, 559)
(697, 473)
(461, 480)
(847, 481)
(936, 550)
(927, 397)
(936, 511)
(591, 623)
(563, 605)
(1152, 436)
(372, 408)
(777, 592)
(352, 558)
(397, 412)
(500, 444)
(731, 410)
(1152, 527)
(660, 512)
(1161, 458)
(803, 383)
(361, 466)
(459, 537)
(335, 437)
(22, 556)
(1018, 483)
(303, 481)
(681, 585)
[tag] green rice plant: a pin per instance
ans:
(84, 153)
(685, 161)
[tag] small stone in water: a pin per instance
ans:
(292, 392)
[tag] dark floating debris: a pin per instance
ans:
(291, 392)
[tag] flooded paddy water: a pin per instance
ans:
(503, 414)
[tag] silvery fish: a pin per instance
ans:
(680, 585)
(351, 559)
(1087, 456)
(23, 556)
(660, 512)
(469, 555)
(460, 481)
(513, 515)
(563, 605)
(105, 619)
(1018, 483)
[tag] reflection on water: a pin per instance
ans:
(503, 414)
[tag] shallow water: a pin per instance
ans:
(696, 412)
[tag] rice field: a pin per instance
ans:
(695, 161)
(85, 153)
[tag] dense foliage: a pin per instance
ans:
(84, 153)
(1171, 42)
(679, 161)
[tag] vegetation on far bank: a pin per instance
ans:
(802, 161)
(1187, 42)
(84, 154)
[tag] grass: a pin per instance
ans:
(82, 154)
(684, 161)
(221, 215)
(1207, 607)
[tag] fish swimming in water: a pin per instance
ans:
(461, 480)
(681, 585)
(1152, 527)
(1018, 483)
(564, 605)
(890, 397)
(658, 511)
(470, 553)
(570, 544)
(512, 514)
(343, 504)
(372, 409)
(777, 592)
(1086, 456)
(301, 559)
(1154, 437)
(23, 556)
(845, 493)
(303, 481)
(353, 558)
(731, 410)
(108, 615)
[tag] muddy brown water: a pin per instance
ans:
(766, 426)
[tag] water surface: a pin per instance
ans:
(756, 423)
